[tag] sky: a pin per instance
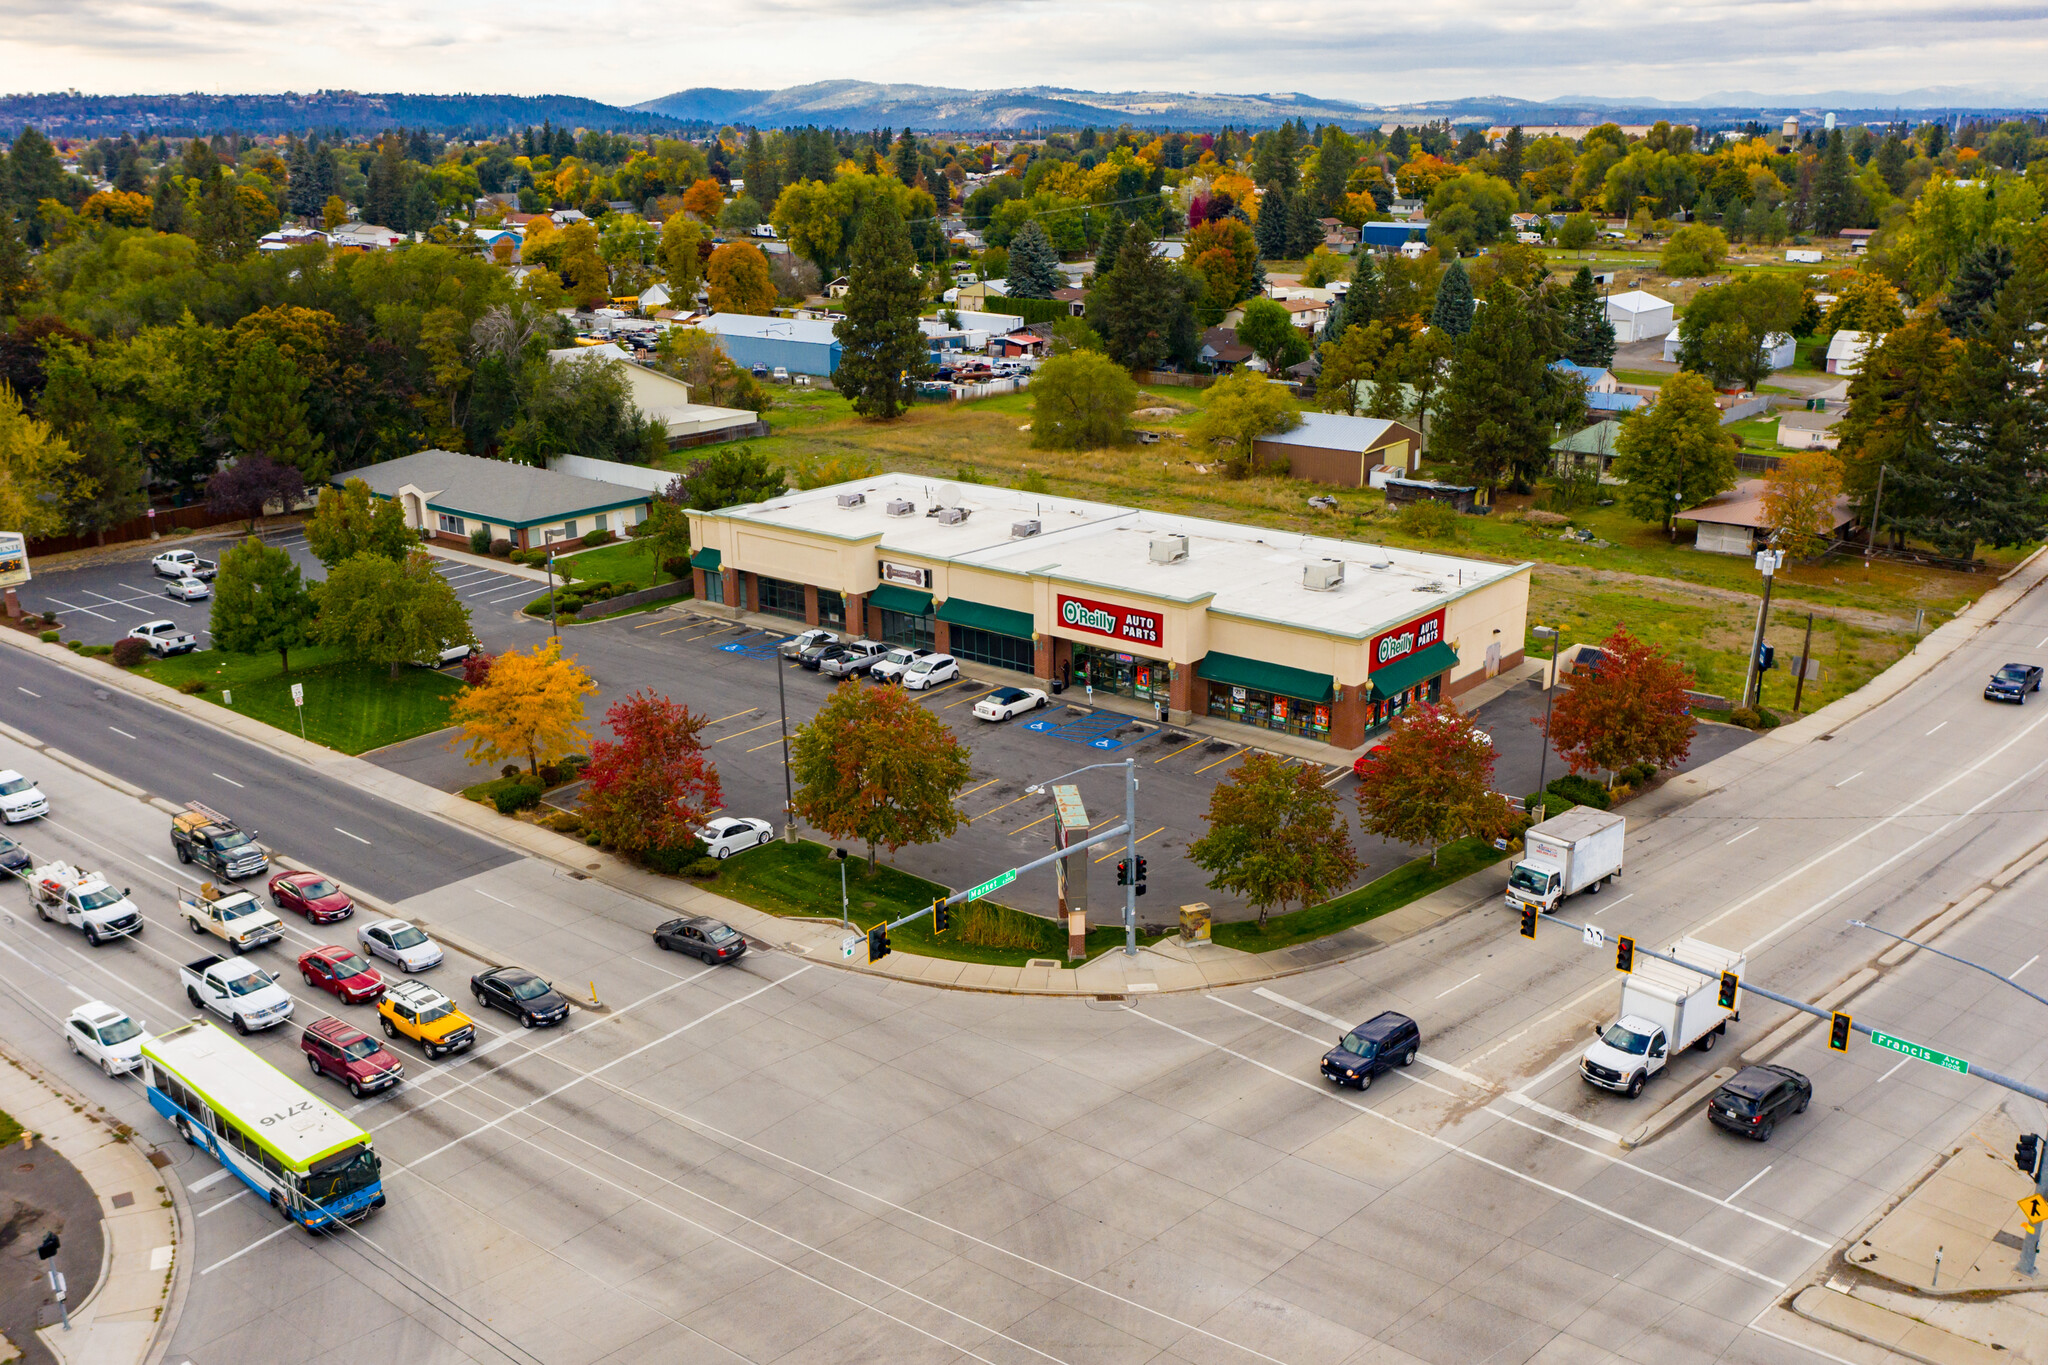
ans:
(1371, 51)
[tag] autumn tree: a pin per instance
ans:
(33, 462)
(249, 485)
(351, 520)
(1433, 782)
(737, 275)
(703, 199)
(651, 786)
(382, 611)
(1242, 408)
(682, 262)
(1632, 709)
(876, 766)
(1674, 453)
(1799, 501)
(529, 706)
(260, 602)
(1081, 400)
(1276, 836)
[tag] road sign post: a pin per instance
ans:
(299, 705)
(2033, 1208)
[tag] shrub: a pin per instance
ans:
(49, 637)
(510, 771)
(677, 858)
(501, 548)
(1581, 790)
(997, 926)
(597, 538)
(1743, 716)
(74, 645)
(704, 869)
(564, 822)
(574, 764)
(128, 653)
(537, 607)
(512, 794)
(192, 687)
(480, 541)
(676, 566)
(1431, 520)
(97, 651)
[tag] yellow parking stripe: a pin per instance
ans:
(976, 697)
(734, 716)
(990, 783)
(1225, 759)
(993, 809)
(1035, 823)
(1181, 750)
(748, 731)
(769, 745)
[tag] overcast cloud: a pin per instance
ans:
(1371, 51)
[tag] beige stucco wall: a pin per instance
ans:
(1183, 626)
(1470, 622)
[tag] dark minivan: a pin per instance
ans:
(1386, 1040)
(1753, 1100)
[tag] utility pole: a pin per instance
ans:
(1131, 855)
(1767, 562)
(1805, 654)
(554, 628)
(1876, 506)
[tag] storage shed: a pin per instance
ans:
(1638, 316)
(799, 345)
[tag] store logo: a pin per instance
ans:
(1083, 617)
(1405, 640)
(1103, 618)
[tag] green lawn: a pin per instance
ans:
(1757, 431)
(1403, 885)
(623, 563)
(350, 707)
(1653, 378)
(10, 1130)
(803, 879)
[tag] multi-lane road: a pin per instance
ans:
(782, 1161)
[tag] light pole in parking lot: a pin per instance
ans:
(788, 791)
(1551, 634)
(554, 629)
(1130, 768)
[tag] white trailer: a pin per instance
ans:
(1665, 1009)
(1566, 854)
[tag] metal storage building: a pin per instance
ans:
(799, 345)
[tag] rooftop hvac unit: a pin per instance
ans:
(1021, 529)
(900, 507)
(1169, 549)
(852, 499)
(951, 516)
(1322, 575)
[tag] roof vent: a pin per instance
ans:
(1322, 575)
(1380, 565)
(1019, 530)
(852, 499)
(949, 516)
(1169, 549)
(900, 507)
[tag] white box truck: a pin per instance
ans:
(1665, 1009)
(1566, 854)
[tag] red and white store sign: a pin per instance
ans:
(1402, 641)
(1107, 619)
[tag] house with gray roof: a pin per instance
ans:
(1329, 447)
(448, 495)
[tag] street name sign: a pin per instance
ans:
(1925, 1054)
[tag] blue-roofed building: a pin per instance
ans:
(1389, 236)
(1603, 390)
(799, 345)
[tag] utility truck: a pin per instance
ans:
(1566, 854)
(1665, 1009)
(236, 918)
(62, 894)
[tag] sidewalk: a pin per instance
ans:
(142, 1276)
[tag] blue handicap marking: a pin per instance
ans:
(1105, 743)
(733, 649)
(1042, 726)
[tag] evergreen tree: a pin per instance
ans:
(1588, 335)
(1107, 250)
(1837, 203)
(1994, 436)
(1336, 158)
(18, 283)
(1891, 429)
(1511, 148)
(1975, 287)
(883, 353)
(1367, 300)
(33, 175)
(1304, 233)
(104, 485)
(266, 411)
(1453, 308)
(1338, 324)
(128, 174)
(1495, 421)
(907, 158)
(1273, 229)
(384, 195)
(167, 213)
(1034, 263)
(1274, 155)
(1143, 310)
(1891, 159)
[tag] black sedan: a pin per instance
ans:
(817, 654)
(1753, 1100)
(521, 994)
(13, 856)
(702, 937)
(2013, 682)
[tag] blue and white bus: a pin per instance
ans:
(302, 1157)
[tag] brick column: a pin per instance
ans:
(942, 637)
(810, 605)
(735, 589)
(856, 613)
(1188, 695)
(1347, 716)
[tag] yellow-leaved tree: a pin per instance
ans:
(1799, 500)
(33, 461)
(529, 705)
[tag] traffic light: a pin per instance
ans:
(942, 917)
(1766, 658)
(1624, 955)
(1838, 1032)
(1729, 984)
(878, 943)
(1141, 876)
(1528, 921)
(2026, 1154)
(48, 1247)
(1123, 873)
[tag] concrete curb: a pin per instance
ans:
(133, 1307)
(1873, 1325)
(1675, 1110)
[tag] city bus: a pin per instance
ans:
(302, 1157)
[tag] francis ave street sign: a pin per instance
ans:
(1925, 1054)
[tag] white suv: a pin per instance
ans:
(929, 671)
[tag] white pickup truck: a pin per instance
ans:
(165, 638)
(183, 564)
(237, 918)
(62, 894)
(240, 992)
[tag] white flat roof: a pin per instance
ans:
(1247, 571)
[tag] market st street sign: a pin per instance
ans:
(1106, 618)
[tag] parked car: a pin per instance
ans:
(852, 659)
(1380, 1042)
(728, 835)
(701, 937)
(450, 654)
(814, 657)
(930, 671)
(1371, 756)
(1753, 1100)
(781, 375)
(20, 798)
(312, 895)
(165, 638)
(1006, 702)
(188, 590)
(342, 973)
(13, 857)
(794, 647)
(404, 945)
(892, 666)
(105, 1037)
(343, 1051)
(183, 564)
(522, 994)
(2013, 682)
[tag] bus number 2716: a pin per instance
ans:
(298, 1108)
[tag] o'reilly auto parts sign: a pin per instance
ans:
(1106, 618)
(1402, 641)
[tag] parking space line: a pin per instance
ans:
(972, 790)
(769, 745)
(748, 731)
(1225, 759)
(750, 711)
(1035, 823)
(66, 606)
(976, 697)
(993, 809)
(1181, 750)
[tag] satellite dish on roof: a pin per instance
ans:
(949, 495)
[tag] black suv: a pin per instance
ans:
(1753, 1100)
(1386, 1040)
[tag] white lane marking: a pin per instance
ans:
(119, 731)
(1751, 1181)
(1472, 1156)
(1850, 778)
(215, 1208)
(1800, 1345)
(2024, 965)
(1745, 834)
(87, 610)
(1461, 985)
(249, 1248)
(208, 1181)
(357, 837)
(37, 695)
(229, 780)
(1894, 1067)
(489, 897)
(174, 871)
(1611, 904)
(1936, 728)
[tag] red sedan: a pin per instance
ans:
(312, 895)
(1365, 760)
(341, 972)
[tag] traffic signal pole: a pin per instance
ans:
(1106, 836)
(1131, 854)
(2032, 1245)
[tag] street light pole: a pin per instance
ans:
(1552, 634)
(554, 628)
(788, 789)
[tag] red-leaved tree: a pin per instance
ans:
(476, 668)
(652, 787)
(1433, 783)
(1630, 708)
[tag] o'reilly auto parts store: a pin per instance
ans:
(1320, 638)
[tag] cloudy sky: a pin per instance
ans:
(1374, 51)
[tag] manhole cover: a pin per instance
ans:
(25, 1167)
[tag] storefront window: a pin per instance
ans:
(914, 632)
(714, 586)
(782, 599)
(1127, 675)
(987, 647)
(1379, 714)
(831, 608)
(1270, 711)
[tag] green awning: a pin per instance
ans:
(896, 597)
(1235, 671)
(1402, 674)
(996, 620)
(706, 559)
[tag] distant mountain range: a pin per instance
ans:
(866, 104)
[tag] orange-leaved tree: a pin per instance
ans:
(1628, 709)
(875, 766)
(653, 787)
(1799, 501)
(703, 199)
(1275, 836)
(737, 275)
(530, 706)
(1433, 782)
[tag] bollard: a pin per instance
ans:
(1935, 1283)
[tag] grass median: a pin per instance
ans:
(1405, 884)
(350, 707)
